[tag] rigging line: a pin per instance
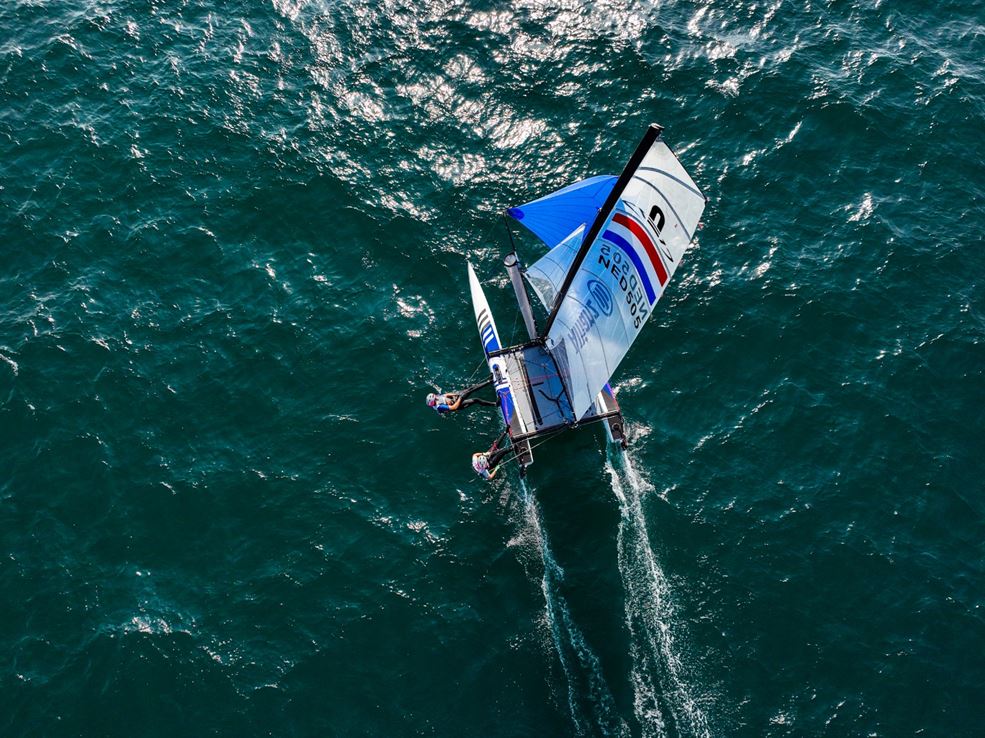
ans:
(506, 222)
(533, 446)
(485, 234)
(516, 315)
(475, 371)
(547, 438)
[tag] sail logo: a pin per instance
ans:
(486, 331)
(603, 298)
(598, 303)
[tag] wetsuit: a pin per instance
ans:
(463, 400)
(498, 456)
(493, 456)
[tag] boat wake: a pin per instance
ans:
(663, 702)
(590, 701)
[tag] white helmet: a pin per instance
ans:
(480, 462)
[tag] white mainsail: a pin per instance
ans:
(646, 226)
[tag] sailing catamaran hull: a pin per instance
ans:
(615, 431)
(500, 373)
(532, 396)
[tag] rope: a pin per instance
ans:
(546, 438)
(475, 371)
(506, 222)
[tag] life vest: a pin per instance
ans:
(442, 404)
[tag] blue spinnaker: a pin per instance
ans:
(554, 217)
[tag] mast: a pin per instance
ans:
(632, 165)
(512, 265)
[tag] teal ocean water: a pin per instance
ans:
(234, 244)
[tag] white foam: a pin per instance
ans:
(581, 666)
(658, 674)
(13, 364)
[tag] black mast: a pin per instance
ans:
(610, 202)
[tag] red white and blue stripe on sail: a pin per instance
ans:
(636, 238)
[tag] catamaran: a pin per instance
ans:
(613, 245)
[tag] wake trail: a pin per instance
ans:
(660, 691)
(595, 713)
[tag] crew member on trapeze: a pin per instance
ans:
(487, 464)
(450, 402)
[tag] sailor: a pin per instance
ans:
(452, 401)
(487, 464)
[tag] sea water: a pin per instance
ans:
(233, 263)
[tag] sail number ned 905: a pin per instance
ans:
(623, 270)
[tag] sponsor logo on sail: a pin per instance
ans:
(598, 303)
(602, 296)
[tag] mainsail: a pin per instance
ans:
(601, 281)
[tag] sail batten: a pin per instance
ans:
(695, 190)
(669, 204)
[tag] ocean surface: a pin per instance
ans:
(233, 256)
